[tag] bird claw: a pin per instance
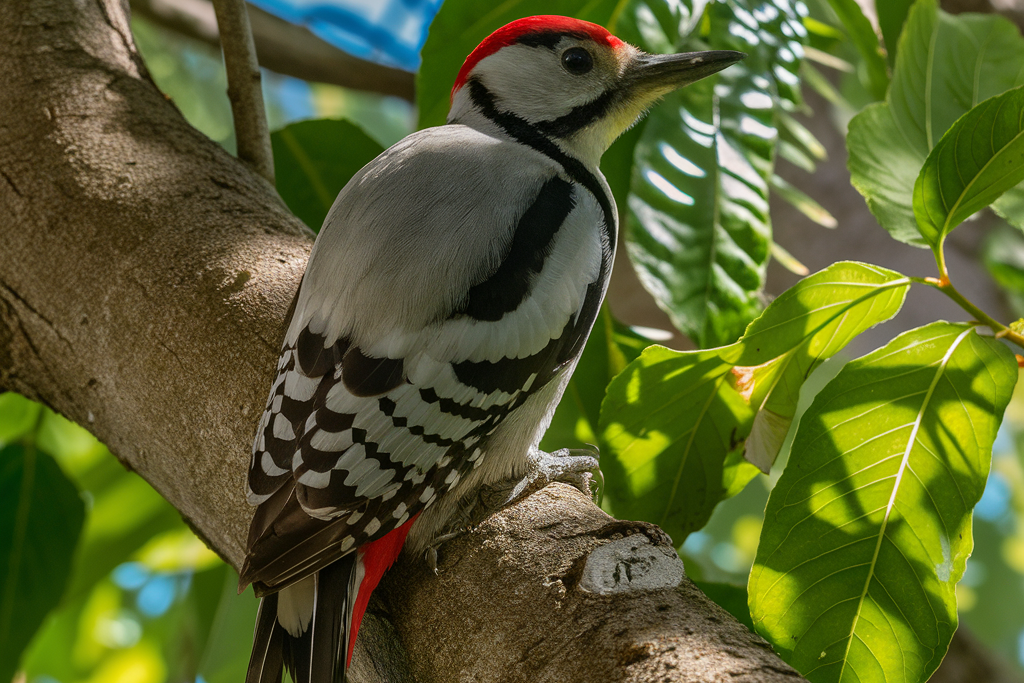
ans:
(577, 467)
(430, 554)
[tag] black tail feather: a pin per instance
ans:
(331, 620)
(265, 663)
(320, 655)
(298, 655)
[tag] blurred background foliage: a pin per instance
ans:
(144, 601)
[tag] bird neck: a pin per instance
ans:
(475, 106)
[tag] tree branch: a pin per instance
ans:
(144, 278)
(245, 89)
(282, 47)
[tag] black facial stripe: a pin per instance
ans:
(511, 283)
(527, 134)
(580, 117)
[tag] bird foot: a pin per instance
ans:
(577, 467)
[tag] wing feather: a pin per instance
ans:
(406, 352)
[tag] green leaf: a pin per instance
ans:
(699, 232)
(771, 32)
(891, 16)
(796, 134)
(223, 661)
(610, 347)
(18, 415)
(698, 229)
(111, 536)
(314, 159)
(978, 159)
(668, 421)
(869, 527)
(945, 66)
(807, 324)
(460, 25)
(864, 39)
(674, 425)
(802, 203)
(41, 517)
(1003, 256)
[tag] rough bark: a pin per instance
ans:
(144, 275)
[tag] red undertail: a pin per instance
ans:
(315, 637)
(374, 559)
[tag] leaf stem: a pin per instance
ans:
(940, 259)
(946, 287)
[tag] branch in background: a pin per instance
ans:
(282, 47)
(176, 265)
(1011, 9)
(969, 661)
(245, 90)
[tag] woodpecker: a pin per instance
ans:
(445, 304)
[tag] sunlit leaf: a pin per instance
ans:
(657, 26)
(177, 550)
(41, 517)
(862, 35)
(78, 452)
(793, 130)
(770, 32)
(699, 231)
(802, 203)
(460, 25)
(788, 261)
(142, 663)
(821, 85)
(314, 159)
(931, 88)
(669, 422)
(804, 326)
(110, 536)
(610, 347)
(675, 425)
(869, 527)
(978, 159)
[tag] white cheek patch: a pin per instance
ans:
(522, 79)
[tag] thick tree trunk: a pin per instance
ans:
(144, 275)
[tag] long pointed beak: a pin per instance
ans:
(662, 73)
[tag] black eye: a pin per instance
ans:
(577, 61)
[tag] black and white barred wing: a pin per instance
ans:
(380, 406)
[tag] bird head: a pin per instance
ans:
(571, 81)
